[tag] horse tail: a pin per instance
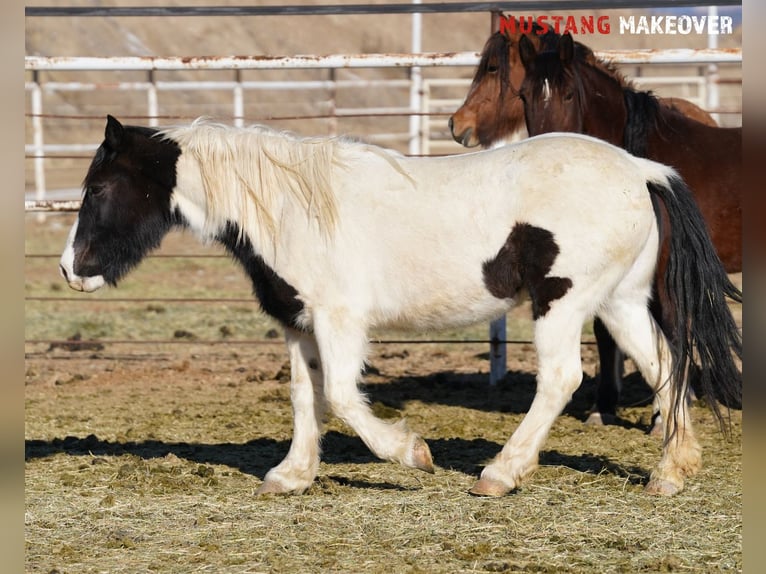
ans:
(697, 284)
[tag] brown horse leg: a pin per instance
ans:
(610, 377)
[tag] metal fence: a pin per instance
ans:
(423, 137)
(425, 106)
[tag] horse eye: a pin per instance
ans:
(96, 190)
(569, 96)
(491, 69)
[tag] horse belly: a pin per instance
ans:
(443, 308)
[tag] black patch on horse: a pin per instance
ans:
(278, 298)
(523, 263)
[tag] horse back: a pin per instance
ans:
(709, 159)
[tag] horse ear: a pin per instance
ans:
(114, 132)
(566, 48)
(527, 52)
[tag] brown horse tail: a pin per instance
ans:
(704, 327)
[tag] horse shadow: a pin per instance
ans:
(513, 394)
(257, 456)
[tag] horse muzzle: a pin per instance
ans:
(465, 136)
(85, 284)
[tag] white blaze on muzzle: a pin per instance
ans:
(546, 92)
(66, 266)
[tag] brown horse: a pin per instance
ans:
(492, 112)
(563, 91)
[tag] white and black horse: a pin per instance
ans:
(340, 236)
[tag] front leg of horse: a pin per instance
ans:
(299, 468)
(342, 343)
(559, 375)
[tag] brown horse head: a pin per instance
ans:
(492, 110)
(566, 78)
(554, 94)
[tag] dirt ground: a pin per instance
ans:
(146, 460)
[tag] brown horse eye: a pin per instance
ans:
(491, 69)
(569, 96)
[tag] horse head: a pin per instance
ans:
(551, 91)
(126, 206)
(492, 110)
(567, 89)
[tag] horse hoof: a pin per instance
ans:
(421, 456)
(659, 487)
(273, 487)
(489, 487)
(597, 419)
(594, 419)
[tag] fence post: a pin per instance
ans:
(38, 140)
(151, 97)
(416, 84)
(239, 100)
(498, 361)
(332, 121)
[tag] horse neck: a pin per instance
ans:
(248, 178)
(605, 114)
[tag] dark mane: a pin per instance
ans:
(642, 110)
(495, 55)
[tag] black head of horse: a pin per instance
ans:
(126, 206)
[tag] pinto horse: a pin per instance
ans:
(339, 237)
(563, 91)
(493, 114)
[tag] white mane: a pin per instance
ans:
(248, 172)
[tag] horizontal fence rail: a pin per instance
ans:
(372, 9)
(132, 63)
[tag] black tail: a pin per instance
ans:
(698, 287)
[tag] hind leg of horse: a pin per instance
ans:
(638, 334)
(299, 468)
(557, 341)
(610, 377)
(661, 313)
(342, 345)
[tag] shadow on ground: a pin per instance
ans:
(257, 456)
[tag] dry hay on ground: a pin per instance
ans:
(147, 460)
